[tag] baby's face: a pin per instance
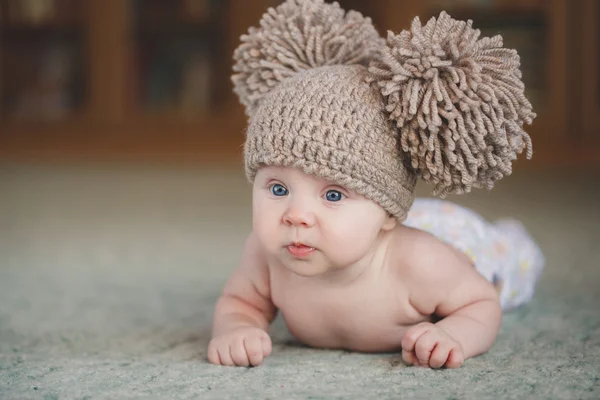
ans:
(311, 225)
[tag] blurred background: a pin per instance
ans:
(124, 206)
(148, 80)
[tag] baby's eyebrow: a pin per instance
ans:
(337, 185)
(273, 177)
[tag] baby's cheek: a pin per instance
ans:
(351, 242)
(358, 234)
(265, 233)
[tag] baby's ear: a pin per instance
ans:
(390, 223)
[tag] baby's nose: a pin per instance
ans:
(299, 215)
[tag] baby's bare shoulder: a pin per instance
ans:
(252, 270)
(253, 253)
(429, 267)
(415, 249)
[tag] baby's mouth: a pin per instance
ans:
(297, 249)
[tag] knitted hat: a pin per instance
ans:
(324, 93)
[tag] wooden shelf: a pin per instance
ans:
(157, 125)
(213, 138)
(109, 147)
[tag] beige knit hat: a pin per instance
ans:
(324, 93)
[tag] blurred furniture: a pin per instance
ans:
(589, 75)
(123, 80)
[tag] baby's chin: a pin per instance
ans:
(313, 268)
(308, 266)
(305, 273)
(303, 267)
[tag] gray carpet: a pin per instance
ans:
(108, 277)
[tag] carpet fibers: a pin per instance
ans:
(108, 278)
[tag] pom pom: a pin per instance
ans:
(295, 36)
(458, 102)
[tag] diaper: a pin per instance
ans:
(502, 251)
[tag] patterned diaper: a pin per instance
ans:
(503, 252)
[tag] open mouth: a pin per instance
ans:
(299, 249)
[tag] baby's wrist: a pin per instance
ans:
(234, 326)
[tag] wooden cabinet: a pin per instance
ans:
(127, 80)
(121, 80)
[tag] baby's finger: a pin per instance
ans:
(266, 345)
(455, 358)
(410, 336)
(409, 357)
(439, 355)
(424, 346)
(254, 350)
(213, 355)
(224, 356)
(238, 353)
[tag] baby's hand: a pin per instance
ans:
(243, 346)
(428, 345)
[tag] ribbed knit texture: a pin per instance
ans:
(331, 123)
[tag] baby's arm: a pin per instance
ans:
(243, 313)
(447, 285)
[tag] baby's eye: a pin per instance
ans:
(334, 195)
(279, 190)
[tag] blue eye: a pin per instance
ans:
(279, 190)
(333, 195)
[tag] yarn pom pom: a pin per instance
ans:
(295, 36)
(458, 102)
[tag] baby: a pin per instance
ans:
(341, 125)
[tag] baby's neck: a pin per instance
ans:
(371, 264)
